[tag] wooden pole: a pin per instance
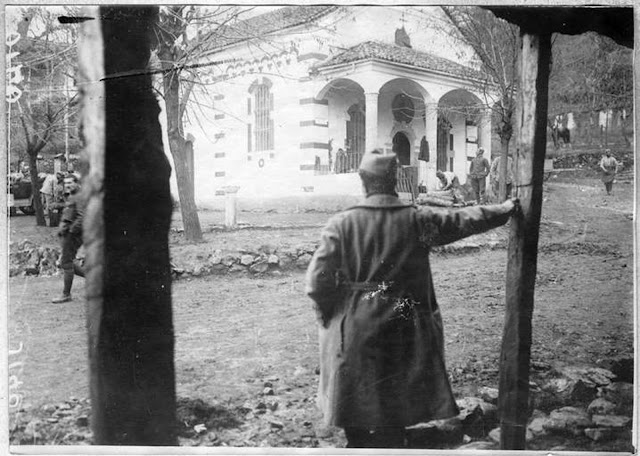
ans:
(523, 242)
(126, 227)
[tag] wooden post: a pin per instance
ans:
(126, 230)
(523, 242)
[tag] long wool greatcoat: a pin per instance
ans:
(381, 340)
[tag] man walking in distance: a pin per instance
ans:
(381, 340)
(478, 172)
(70, 233)
(609, 166)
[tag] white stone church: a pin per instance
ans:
(306, 90)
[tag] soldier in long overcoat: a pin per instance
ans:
(382, 365)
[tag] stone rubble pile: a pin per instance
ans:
(571, 402)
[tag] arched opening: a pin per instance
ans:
(458, 134)
(402, 148)
(355, 129)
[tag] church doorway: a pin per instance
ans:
(402, 148)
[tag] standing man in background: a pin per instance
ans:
(478, 172)
(70, 233)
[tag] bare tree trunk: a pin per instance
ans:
(504, 162)
(127, 219)
(35, 189)
(178, 147)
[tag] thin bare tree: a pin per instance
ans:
(496, 44)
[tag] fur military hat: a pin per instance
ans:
(376, 164)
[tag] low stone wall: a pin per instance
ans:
(27, 258)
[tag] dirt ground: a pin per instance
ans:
(237, 335)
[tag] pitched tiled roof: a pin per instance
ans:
(373, 50)
(263, 24)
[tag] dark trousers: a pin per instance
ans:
(608, 186)
(382, 437)
(70, 245)
(478, 185)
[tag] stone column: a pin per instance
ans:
(431, 120)
(371, 121)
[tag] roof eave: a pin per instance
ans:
(406, 65)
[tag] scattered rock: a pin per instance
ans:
(568, 390)
(268, 392)
(611, 421)
(276, 424)
(540, 366)
(477, 416)
(479, 445)
(246, 260)
(197, 271)
(229, 260)
(215, 259)
(621, 394)
(273, 405)
(267, 384)
(623, 369)
(601, 406)
(602, 434)
(237, 268)
(489, 394)
(82, 420)
(536, 427)
(435, 432)
(568, 420)
(273, 259)
(49, 408)
(599, 434)
(259, 267)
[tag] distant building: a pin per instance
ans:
(303, 82)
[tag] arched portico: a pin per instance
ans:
(463, 126)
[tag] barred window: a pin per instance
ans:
(262, 121)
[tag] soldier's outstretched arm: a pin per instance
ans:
(441, 226)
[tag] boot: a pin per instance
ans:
(66, 292)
